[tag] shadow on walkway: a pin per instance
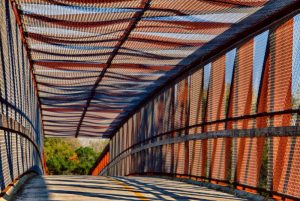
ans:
(89, 188)
(35, 189)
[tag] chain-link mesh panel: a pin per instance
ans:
(21, 137)
(234, 120)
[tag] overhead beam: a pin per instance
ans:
(145, 4)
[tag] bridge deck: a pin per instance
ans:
(121, 188)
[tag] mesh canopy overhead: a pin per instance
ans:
(96, 60)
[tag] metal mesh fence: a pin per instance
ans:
(21, 138)
(234, 120)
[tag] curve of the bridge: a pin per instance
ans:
(230, 117)
(233, 120)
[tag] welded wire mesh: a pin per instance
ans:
(252, 86)
(102, 58)
(21, 137)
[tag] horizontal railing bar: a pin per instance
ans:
(243, 117)
(235, 133)
(13, 107)
(10, 125)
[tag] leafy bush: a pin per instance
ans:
(66, 156)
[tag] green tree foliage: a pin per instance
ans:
(66, 156)
(57, 153)
(87, 157)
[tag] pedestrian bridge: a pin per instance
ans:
(199, 99)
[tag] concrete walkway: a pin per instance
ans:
(89, 188)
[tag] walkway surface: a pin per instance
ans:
(91, 188)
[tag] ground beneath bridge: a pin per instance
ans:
(114, 188)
